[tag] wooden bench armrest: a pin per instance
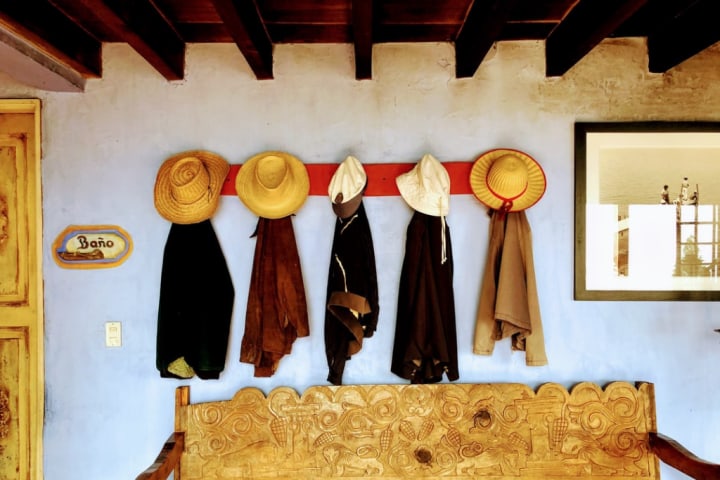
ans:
(168, 459)
(672, 453)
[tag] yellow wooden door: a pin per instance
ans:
(21, 295)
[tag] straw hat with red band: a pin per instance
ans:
(187, 187)
(507, 180)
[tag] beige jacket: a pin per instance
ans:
(509, 305)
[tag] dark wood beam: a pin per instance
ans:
(587, 24)
(138, 23)
(243, 21)
(86, 19)
(53, 35)
(482, 27)
(363, 22)
(651, 18)
(691, 32)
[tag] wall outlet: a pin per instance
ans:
(113, 334)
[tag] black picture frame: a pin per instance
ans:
(628, 244)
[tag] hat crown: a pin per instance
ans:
(508, 176)
(348, 180)
(188, 186)
(346, 187)
(432, 176)
(426, 187)
(189, 180)
(273, 184)
(507, 179)
(271, 171)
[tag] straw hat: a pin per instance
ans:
(187, 187)
(347, 186)
(426, 188)
(273, 184)
(509, 180)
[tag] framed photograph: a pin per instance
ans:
(647, 218)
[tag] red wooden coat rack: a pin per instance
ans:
(381, 178)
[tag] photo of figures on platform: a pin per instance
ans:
(655, 222)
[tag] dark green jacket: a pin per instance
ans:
(196, 301)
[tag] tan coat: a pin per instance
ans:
(509, 305)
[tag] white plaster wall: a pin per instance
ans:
(108, 411)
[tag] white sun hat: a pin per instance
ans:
(426, 188)
(347, 186)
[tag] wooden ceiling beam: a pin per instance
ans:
(586, 25)
(138, 23)
(482, 27)
(363, 22)
(28, 65)
(244, 23)
(52, 36)
(690, 32)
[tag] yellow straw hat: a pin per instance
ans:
(187, 187)
(273, 184)
(508, 180)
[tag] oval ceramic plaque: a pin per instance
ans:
(92, 246)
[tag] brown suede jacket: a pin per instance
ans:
(277, 312)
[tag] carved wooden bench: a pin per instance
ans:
(454, 431)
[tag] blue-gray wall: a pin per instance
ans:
(107, 409)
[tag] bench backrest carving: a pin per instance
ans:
(455, 431)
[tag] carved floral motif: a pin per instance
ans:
(404, 431)
(4, 415)
(4, 220)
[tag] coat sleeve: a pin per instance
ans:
(535, 342)
(291, 287)
(410, 284)
(486, 328)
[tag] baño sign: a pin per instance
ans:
(92, 246)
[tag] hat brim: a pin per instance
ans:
(345, 209)
(201, 210)
(478, 180)
(281, 202)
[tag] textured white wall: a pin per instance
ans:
(108, 411)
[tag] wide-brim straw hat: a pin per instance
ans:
(188, 185)
(426, 188)
(507, 179)
(347, 186)
(273, 184)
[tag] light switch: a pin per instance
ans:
(113, 334)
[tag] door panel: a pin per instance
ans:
(14, 421)
(13, 241)
(21, 306)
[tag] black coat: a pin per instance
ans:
(425, 335)
(352, 292)
(196, 301)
